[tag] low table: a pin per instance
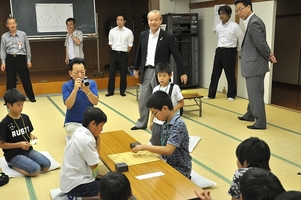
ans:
(197, 99)
(172, 185)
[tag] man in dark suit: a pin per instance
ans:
(255, 54)
(155, 45)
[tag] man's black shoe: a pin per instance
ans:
(255, 128)
(32, 100)
(123, 95)
(243, 119)
(107, 95)
(136, 128)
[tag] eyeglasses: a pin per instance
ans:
(155, 113)
(239, 10)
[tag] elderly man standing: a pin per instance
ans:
(155, 45)
(16, 58)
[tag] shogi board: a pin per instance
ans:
(131, 158)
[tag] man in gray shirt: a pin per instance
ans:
(16, 57)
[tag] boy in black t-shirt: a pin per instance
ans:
(16, 139)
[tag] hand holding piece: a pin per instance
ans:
(24, 145)
(137, 148)
(34, 141)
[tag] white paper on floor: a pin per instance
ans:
(193, 141)
(13, 173)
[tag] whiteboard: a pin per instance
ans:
(52, 17)
(47, 18)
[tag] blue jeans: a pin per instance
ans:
(32, 162)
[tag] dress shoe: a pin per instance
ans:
(243, 119)
(135, 128)
(32, 100)
(254, 127)
(107, 95)
(123, 95)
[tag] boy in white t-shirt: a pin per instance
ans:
(79, 172)
(164, 74)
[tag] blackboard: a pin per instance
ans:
(46, 18)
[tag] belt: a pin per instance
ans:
(119, 51)
(15, 55)
(150, 67)
(226, 47)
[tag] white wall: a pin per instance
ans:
(174, 6)
(208, 44)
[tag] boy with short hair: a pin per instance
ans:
(114, 186)
(252, 152)
(174, 137)
(15, 135)
(81, 157)
(256, 183)
(261, 184)
(164, 74)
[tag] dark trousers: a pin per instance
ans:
(14, 65)
(156, 135)
(225, 58)
(118, 59)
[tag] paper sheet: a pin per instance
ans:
(150, 175)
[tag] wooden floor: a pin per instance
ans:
(50, 82)
(213, 157)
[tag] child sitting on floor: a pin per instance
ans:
(16, 136)
(81, 157)
(255, 184)
(115, 186)
(252, 152)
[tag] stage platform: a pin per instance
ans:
(50, 82)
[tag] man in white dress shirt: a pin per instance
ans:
(121, 41)
(230, 37)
